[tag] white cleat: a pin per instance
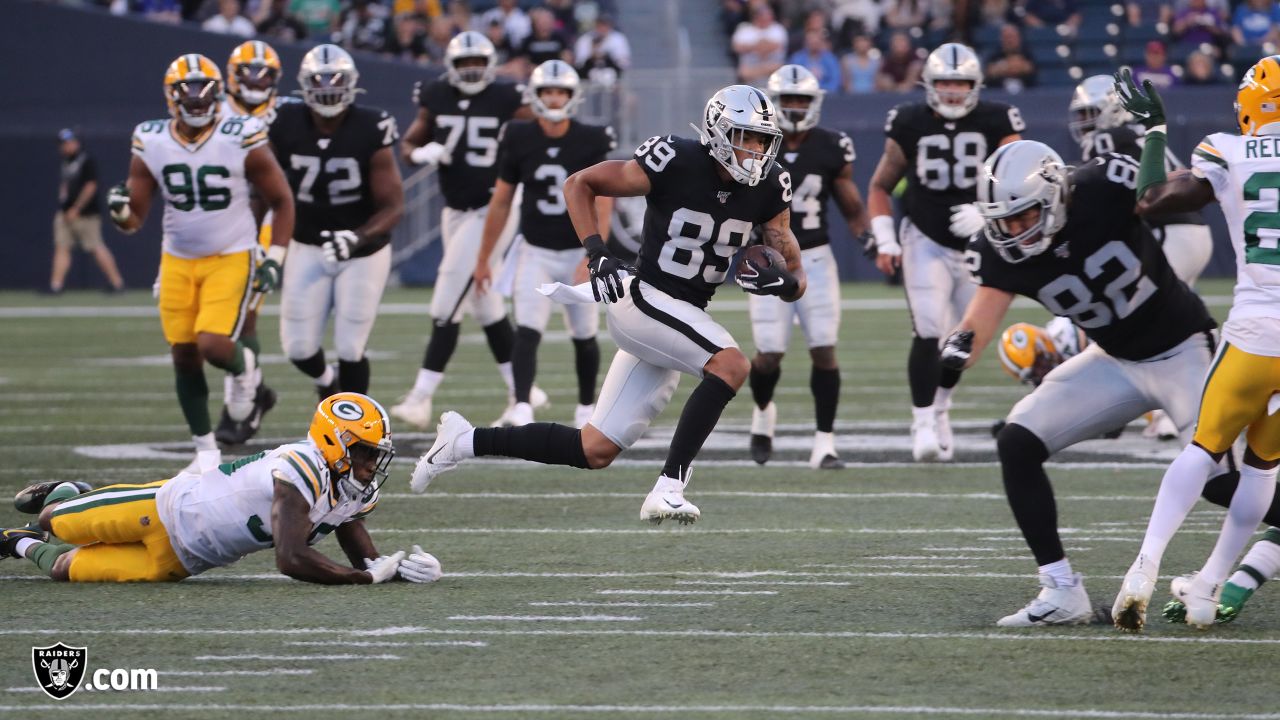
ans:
(1055, 605)
(1129, 612)
(443, 455)
(924, 441)
(538, 398)
(666, 502)
(519, 414)
(824, 455)
(1200, 599)
(415, 409)
(582, 415)
(509, 418)
(763, 424)
(244, 389)
(942, 431)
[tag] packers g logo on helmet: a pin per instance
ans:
(1027, 353)
(351, 429)
(1258, 98)
(253, 71)
(193, 89)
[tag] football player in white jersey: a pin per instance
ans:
(1241, 172)
(204, 165)
(288, 499)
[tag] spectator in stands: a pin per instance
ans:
(1011, 65)
(1200, 70)
(1156, 67)
(229, 21)
(604, 45)
(460, 17)
(1052, 13)
(1256, 22)
(1198, 24)
(563, 12)
(439, 31)
(1148, 12)
(503, 53)
(275, 23)
(900, 68)
(861, 66)
(851, 18)
(409, 40)
(364, 27)
(761, 46)
(818, 58)
(813, 20)
(905, 14)
(319, 16)
(79, 219)
(544, 43)
(165, 11)
(516, 26)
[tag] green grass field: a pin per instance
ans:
(867, 592)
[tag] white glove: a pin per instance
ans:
(420, 567)
(384, 568)
(966, 221)
(430, 154)
(886, 238)
(118, 203)
(338, 244)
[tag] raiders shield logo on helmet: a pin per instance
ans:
(59, 669)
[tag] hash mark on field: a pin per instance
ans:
(161, 688)
(369, 643)
(287, 658)
(221, 673)
(686, 592)
(639, 604)
(546, 618)
(814, 583)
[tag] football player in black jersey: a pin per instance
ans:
(1071, 241)
(704, 199)
(339, 160)
(539, 156)
(939, 146)
(821, 165)
(459, 115)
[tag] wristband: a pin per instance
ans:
(882, 228)
(593, 244)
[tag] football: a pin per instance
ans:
(762, 255)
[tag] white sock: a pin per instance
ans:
(427, 382)
(1179, 490)
(1239, 578)
(465, 445)
(250, 362)
(508, 377)
(1249, 505)
(205, 442)
(1263, 558)
(924, 413)
(1060, 572)
(21, 546)
(326, 378)
(942, 398)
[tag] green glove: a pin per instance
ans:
(267, 276)
(1145, 104)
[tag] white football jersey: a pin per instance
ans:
(206, 210)
(217, 518)
(1245, 174)
(265, 112)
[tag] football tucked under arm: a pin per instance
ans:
(761, 270)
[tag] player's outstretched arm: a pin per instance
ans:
(130, 204)
(777, 235)
(977, 328)
(263, 172)
(889, 172)
(494, 220)
(611, 178)
(353, 538)
(1183, 191)
(291, 524)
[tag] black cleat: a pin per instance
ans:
(830, 462)
(761, 448)
(332, 388)
(30, 499)
(230, 432)
(9, 539)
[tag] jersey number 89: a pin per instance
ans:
(687, 257)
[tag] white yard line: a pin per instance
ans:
(293, 658)
(637, 604)
(1000, 497)
(686, 592)
(161, 688)
(235, 673)
(370, 643)
(547, 618)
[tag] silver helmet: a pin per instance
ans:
(328, 78)
(790, 80)
(1017, 177)
(951, 61)
(470, 44)
(553, 74)
(1095, 106)
(730, 115)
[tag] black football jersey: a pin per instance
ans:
(814, 166)
(944, 158)
(526, 156)
(1126, 141)
(694, 221)
(329, 174)
(467, 126)
(1104, 271)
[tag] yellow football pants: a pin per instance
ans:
(1236, 394)
(204, 295)
(120, 536)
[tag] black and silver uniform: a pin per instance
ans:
(944, 158)
(467, 126)
(1103, 270)
(527, 156)
(814, 166)
(329, 174)
(694, 221)
(1126, 141)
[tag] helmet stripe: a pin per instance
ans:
(193, 64)
(955, 57)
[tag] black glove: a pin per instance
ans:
(957, 349)
(606, 283)
(868, 240)
(771, 280)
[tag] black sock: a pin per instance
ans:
(762, 385)
(193, 398)
(825, 385)
(524, 361)
(501, 338)
(1219, 491)
(444, 340)
(354, 376)
(697, 420)
(547, 443)
(1030, 495)
(586, 359)
(312, 367)
(948, 378)
(923, 371)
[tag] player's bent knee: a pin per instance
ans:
(217, 349)
(824, 358)
(61, 570)
(766, 362)
(730, 365)
(599, 450)
(186, 356)
(1252, 460)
